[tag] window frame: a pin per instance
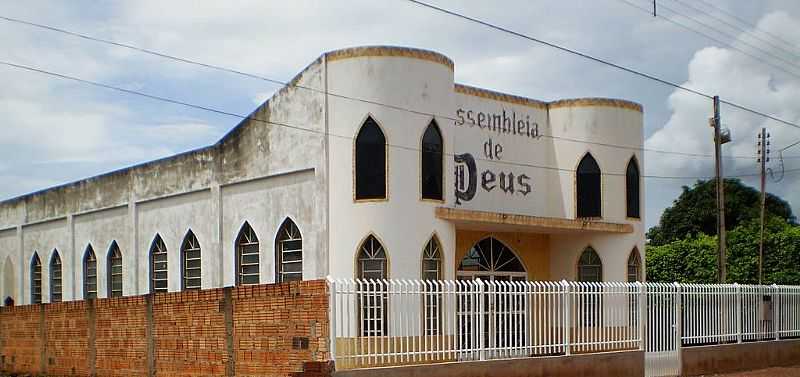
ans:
(290, 229)
(636, 257)
(154, 251)
(432, 302)
(435, 126)
(191, 244)
(239, 246)
(110, 274)
(380, 298)
(88, 293)
(380, 128)
(578, 191)
(56, 277)
(36, 278)
(638, 215)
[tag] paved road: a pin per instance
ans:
(771, 372)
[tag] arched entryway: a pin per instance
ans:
(491, 260)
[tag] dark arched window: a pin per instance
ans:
(590, 268)
(158, 266)
(588, 187)
(247, 256)
(432, 160)
(289, 253)
(432, 270)
(190, 262)
(55, 277)
(36, 279)
(114, 271)
(372, 265)
(89, 274)
(632, 188)
(634, 266)
(370, 162)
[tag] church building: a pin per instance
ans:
(372, 163)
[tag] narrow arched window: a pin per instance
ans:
(247, 256)
(588, 188)
(190, 262)
(372, 265)
(114, 271)
(432, 162)
(370, 162)
(634, 266)
(55, 277)
(89, 274)
(590, 268)
(632, 189)
(158, 266)
(432, 270)
(289, 252)
(36, 279)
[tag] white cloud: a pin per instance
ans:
(739, 79)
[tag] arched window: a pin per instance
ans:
(158, 266)
(432, 260)
(289, 253)
(432, 270)
(432, 162)
(247, 256)
(55, 277)
(590, 268)
(190, 262)
(372, 264)
(372, 259)
(632, 188)
(36, 279)
(114, 271)
(588, 188)
(89, 274)
(634, 266)
(370, 162)
(490, 259)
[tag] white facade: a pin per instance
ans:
(295, 158)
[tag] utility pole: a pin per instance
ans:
(763, 158)
(719, 139)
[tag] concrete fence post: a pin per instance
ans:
(151, 344)
(776, 314)
(91, 318)
(332, 317)
(678, 326)
(480, 311)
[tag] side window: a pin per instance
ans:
(372, 265)
(36, 279)
(114, 271)
(588, 188)
(632, 198)
(289, 252)
(89, 274)
(432, 162)
(55, 277)
(158, 266)
(370, 162)
(190, 262)
(247, 256)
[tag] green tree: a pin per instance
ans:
(694, 212)
(694, 259)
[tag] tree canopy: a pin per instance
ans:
(694, 212)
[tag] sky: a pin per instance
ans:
(55, 131)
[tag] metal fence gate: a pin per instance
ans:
(662, 341)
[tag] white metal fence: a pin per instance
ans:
(395, 322)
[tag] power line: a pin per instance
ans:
(599, 60)
(748, 24)
(781, 68)
(322, 91)
(739, 28)
(280, 124)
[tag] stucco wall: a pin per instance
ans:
(276, 156)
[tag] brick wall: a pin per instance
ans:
(264, 330)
